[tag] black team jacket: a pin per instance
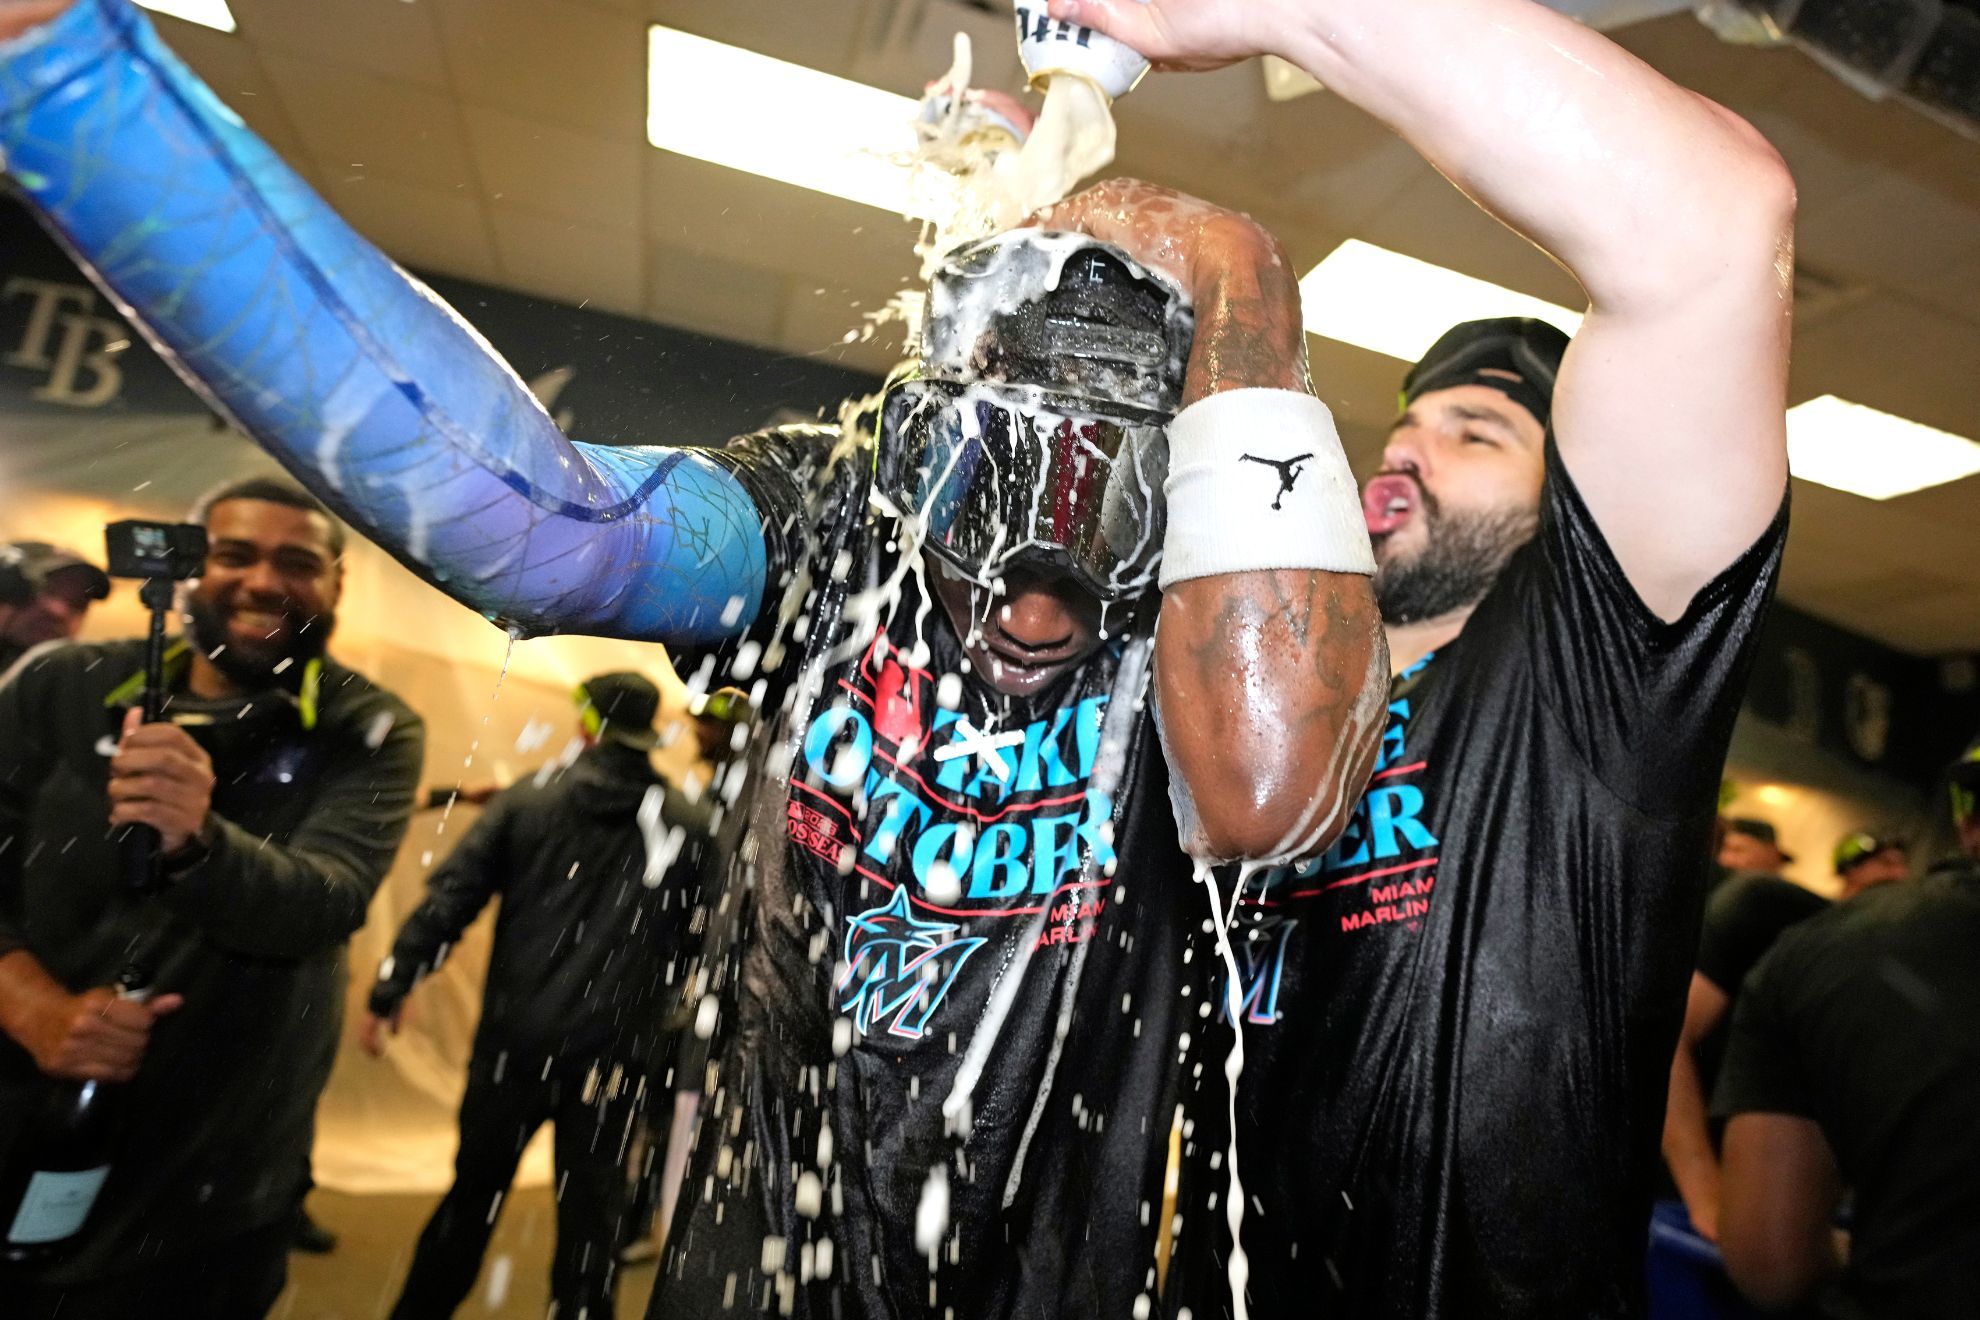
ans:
(314, 786)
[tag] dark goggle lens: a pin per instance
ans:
(998, 479)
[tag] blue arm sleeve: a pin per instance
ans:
(357, 378)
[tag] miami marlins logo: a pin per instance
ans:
(898, 964)
(1261, 962)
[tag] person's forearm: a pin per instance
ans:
(26, 992)
(1688, 1152)
(360, 382)
(1636, 185)
(1270, 683)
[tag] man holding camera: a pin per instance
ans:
(280, 784)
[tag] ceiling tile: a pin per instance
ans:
(725, 298)
(1896, 355)
(540, 167)
(818, 36)
(555, 60)
(355, 122)
(570, 262)
(395, 38)
(1956, 291)
(906, 56)
(1939, 625)
(757, 221)
(230, 67)
(422, 227)
(1433, 221)
(1892, 230)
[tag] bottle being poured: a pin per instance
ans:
(1081, 73)
(983, 163)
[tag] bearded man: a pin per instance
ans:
(280, 784)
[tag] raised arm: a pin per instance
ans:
(1270, 683)
(1675, 216)
(358, 379)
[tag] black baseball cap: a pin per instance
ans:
(620, 707)
(37, 561)
(1861, 846)
(1762, 830)
(1519, 356)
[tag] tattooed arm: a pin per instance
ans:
(1270, 685)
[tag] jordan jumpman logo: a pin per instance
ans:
(1288, 469)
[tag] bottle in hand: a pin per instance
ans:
(62, 1158)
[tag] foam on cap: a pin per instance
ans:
(1002, 310)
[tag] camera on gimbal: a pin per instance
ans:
(171, 552)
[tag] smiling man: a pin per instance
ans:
(280, 784)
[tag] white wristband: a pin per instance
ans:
(1257, 480)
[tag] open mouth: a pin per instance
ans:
(1388, 501)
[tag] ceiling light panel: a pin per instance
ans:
(206, 13)
(1388, 303)
(734, 107)
(1847, 446)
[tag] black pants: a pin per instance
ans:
(591, 1104)
(235, 1279)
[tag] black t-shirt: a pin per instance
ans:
(1459, 1021)
(1743, 918)
(1867, 1020)
(941, 882)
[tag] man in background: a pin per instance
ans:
(598, 867)
(1854, 1062)
(1865, 860)
(1750, 845)
(1745, 914)
(45, 592)
(280, 784)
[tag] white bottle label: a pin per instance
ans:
(1050, 45)
(56, 1205)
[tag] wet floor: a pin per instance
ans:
(360, 1280)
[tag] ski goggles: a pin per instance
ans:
(998, 476)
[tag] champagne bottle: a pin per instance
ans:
(63, 1156)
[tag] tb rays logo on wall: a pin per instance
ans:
(74, 349)
(896, 963)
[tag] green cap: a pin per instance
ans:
(1861, 846)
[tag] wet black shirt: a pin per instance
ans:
(1866, 1019)
(1459, 1021)
(961, 959)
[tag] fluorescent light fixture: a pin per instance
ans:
(206, 13)
(1388, 303)
(783, 121)
(1849, 447)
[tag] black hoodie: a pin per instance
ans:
(587, 955)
